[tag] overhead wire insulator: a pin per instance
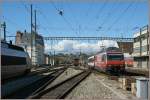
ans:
(61, 12)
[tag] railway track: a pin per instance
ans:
(60, 90)
(36, 72)
(35, 86)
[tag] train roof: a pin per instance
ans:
(110, 49)
(91, 57)
(11, 46)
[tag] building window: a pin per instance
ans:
(143, 36)
(136, 50)
(144, 48)
(137, 39)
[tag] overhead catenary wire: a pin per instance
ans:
(75, 18)
(11, 22)
(62, 15)
(132, 16)
(25, 6)
(40, 12)
(43, 27)
(101, 9)
(121, 15)
(110, 13)
(45, 18)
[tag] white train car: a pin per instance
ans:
(14, 61)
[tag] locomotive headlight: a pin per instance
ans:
(109, 65)
(121, 65)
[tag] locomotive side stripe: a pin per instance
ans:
(11, 52)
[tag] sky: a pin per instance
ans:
(86, 18)
(73, 46)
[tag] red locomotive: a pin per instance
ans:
(109, 59)
(128, 60)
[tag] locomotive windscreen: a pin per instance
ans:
(115, 57)
(113, 49)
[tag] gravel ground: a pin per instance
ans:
(115, 87)
(99, 87)
(91, 89)
(66, 74)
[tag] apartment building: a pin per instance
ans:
(24, 39)
(141, 48)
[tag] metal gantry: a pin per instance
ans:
(118, 39)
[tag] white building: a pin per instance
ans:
(24, 40)
(141, 48)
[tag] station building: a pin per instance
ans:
(141, 48)
(126, 47)
(23, 39)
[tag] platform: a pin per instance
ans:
(138, 71)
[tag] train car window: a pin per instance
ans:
(7, 45)
(15, 47)
(4, 45)
(12, 60)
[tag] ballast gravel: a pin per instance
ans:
(99, 87)
(65, 75)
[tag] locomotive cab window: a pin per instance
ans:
(104, 57)
(115, 57)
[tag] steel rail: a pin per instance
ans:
(60, 90)
(24, 90)
(5, 81)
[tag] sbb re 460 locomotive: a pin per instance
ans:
(109, 59)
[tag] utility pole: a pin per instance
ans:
(80, 56)
(27, 40)
(50, 58)
(54, 57)
(35, 20)
(122, 43)
(33, 40)
(4, 29)
(31, 35)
